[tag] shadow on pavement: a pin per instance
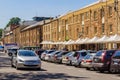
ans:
(38, 76)
(24, 69)
(4, 62)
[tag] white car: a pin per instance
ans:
(25, 59)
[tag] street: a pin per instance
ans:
(50, 71)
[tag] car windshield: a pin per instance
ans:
(26, 53)
(68, 54)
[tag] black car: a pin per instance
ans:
(115, 62)
(11, 51)
(102, 60)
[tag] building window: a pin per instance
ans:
(63, 21)
(87, 15)
(110, 10)
(76, 18)
(87, 30)
(70, 19)
(62, 33)
(66, 21)
(82, 29)
(111, 28)
(82, 17)
(60, 22)
(102, 12)
(95, 30)
(103, 28)
(95, 15)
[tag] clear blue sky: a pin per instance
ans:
(26, 9)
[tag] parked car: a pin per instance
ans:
(67, 59)
(102, 60)
(115, 62)
(49, 56)
(45, 53)
(87, 61)
(11, 51)
(2, 48)
(78, 56)
(25, 59)
(39, 52)
(58, 57)
(52, 55)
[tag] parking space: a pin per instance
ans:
(51, 71)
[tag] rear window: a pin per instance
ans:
(99, 53)
(117, 54)
(87, 57)
(57, 52)
(76, 54)
(110, 52)
(40, 51)
(50, 51)
(64, 53)
(83, 53)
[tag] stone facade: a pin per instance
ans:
(98, 19)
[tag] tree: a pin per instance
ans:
(1, 30)
(14, 21)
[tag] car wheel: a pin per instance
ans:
(39, 68)
(60, 62)
(87, 68)
(79, 65)
(70, 63)
(112, 70)
(10, 54)
(101, 71)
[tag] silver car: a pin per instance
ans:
(78, 56)
(87, 61)
(25, 59)
(67, 59)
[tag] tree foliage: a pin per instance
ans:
(14, 21)
(1, 30)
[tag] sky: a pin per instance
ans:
(26, 9)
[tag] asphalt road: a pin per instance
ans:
(50, 71)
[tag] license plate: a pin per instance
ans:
(29, 63)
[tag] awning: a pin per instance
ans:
(69, 42)
(57, 43)
(46, 42)
(93, 40)
(84, 41)
(102, 39)
(77, 41)
(113, 38)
